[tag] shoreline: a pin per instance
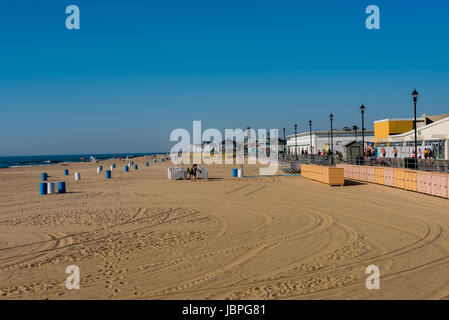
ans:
(21, 161)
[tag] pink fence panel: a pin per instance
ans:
(440, 189)
(388, 177)
(443, 186)
(435, 185)
(447, 186)
(371, 174)
(356, 172)
(363, 171)
(428, 188)
(348, 171)
(422, 181)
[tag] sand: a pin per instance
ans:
(141, 236)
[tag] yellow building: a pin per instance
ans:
(385, 128)
(388, 128)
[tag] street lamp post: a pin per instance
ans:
(310, 130)
(310, 135)
(285, 143)
(331, 117)
(415, 99)
(296, 151)
(362, 110)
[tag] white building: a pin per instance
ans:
(321, 140)
(434, 136)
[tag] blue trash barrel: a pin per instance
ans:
(101, 168)
(126, 169)
(234, 173)
(113, 165)
(108, 174)
(154, 160)
(66, 172)
(132, 162)
(61, 187)
(147, 164)
(43, 188)
(44, 176)
(135, 167)
(162, 160)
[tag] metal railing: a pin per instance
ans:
(422, 164)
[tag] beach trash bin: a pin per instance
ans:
(154, 160)
(162, 160)
(50, 187)
(108, 174)
(126, 169)
(240, 173)
(61, 187)
(66, 172)
(44, 176)
(135, 167)
(43, 188)
(132, 162)
(234, 173)
(147, 164)
(113, 165)
(77, 176)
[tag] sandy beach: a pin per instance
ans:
(141, 236)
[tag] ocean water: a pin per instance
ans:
(24, 161)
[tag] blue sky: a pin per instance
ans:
(136, 70)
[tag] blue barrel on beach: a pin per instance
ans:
(147, 164)
(61, 187)
(162, 160)
(44, 176)
(113, 165)
(43, 189)
(101, 168)
(132, 162)
(108, 174)
(66, 172)
(126, 169)
(234, 173)
(154, 160)
(135, 167)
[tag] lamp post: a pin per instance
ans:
(296, 151)
(285, 143)
(362, 110)
(310, 134)
(415, 99)
(331, 117)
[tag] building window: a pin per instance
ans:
(412, 143)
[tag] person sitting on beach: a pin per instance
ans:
(192, 171)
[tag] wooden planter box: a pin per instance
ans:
(331, 175)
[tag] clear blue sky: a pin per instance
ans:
(136, 70)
